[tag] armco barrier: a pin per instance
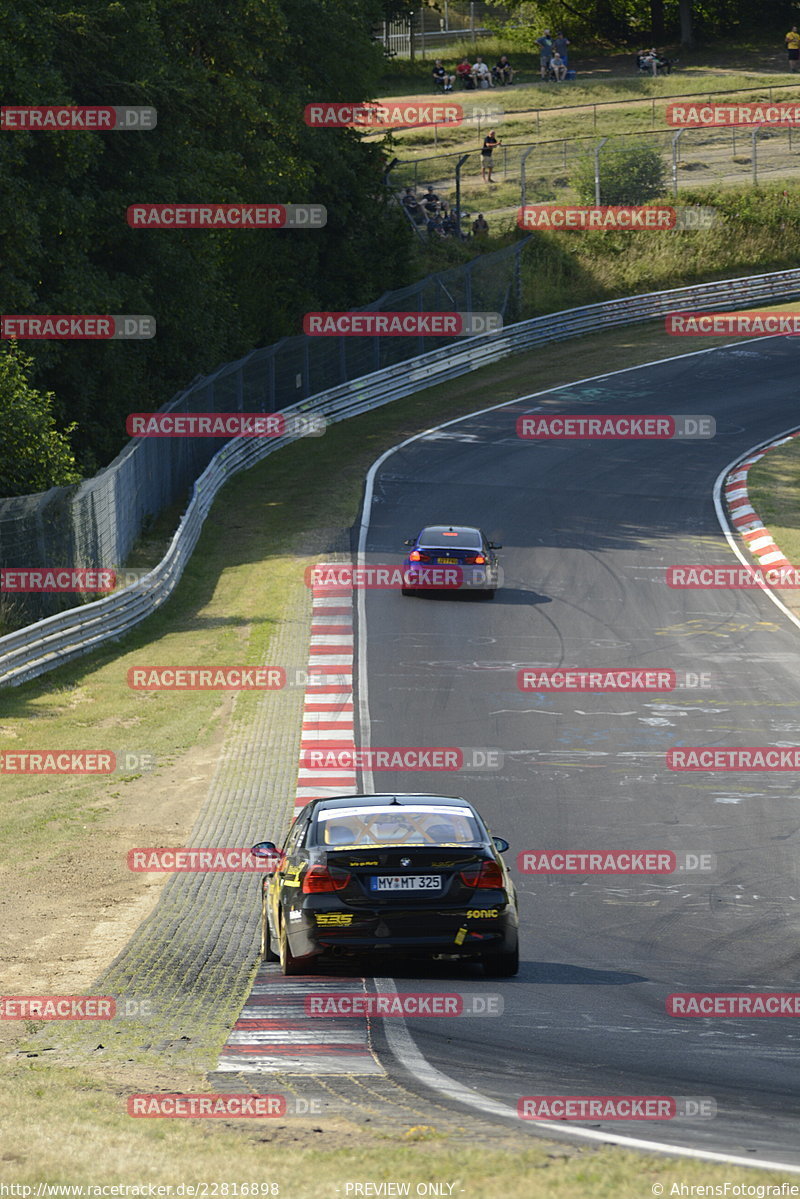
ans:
(50, 643)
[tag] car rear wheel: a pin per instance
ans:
(268, 954)
(409, 590)
(489, 593)
(502, 965)
(289, 963)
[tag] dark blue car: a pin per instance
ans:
(463, 549)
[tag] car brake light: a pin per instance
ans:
(475, 560)
(325, 878)
(418, 556)
(488, 874)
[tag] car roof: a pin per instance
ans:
(464, 534)
(390, 800)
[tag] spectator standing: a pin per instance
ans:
(792, 40)
(489, 143)
(481, 74)
(480, 226)
(545, 44)
(561, 46)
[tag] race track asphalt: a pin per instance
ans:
(589, 528)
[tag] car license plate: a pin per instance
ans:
(447, 561)
(406, 882)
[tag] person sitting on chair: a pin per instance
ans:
(464, 73)
(558, 67)
(441, 78)
(502, 71)
(481, 74)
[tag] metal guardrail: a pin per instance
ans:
(50, 643)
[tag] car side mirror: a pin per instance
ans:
(501, 844)
(495, 545)
(409, 541)
(268, 853)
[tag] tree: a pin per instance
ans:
(230, 83)
(34, 455)
(630, 175)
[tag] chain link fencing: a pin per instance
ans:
(97, 522)
(545, 171)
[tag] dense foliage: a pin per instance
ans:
(620, 21)
(230, 82)
(630, 175)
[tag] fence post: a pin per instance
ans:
(756, 129)
(597, 150)
(675, 140)
(459, 165)
(522, 180)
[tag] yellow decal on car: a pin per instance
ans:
(481, 913)
(460, 935)
(291, 877)
(333, 919)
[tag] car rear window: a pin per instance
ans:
(401, 825)
(441, 535)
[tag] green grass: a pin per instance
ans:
(774, 488)
(71, 1127)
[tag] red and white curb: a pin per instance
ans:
(328, 712)
(744, 518)
(273, 1035)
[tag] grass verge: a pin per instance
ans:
(72, 1128)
